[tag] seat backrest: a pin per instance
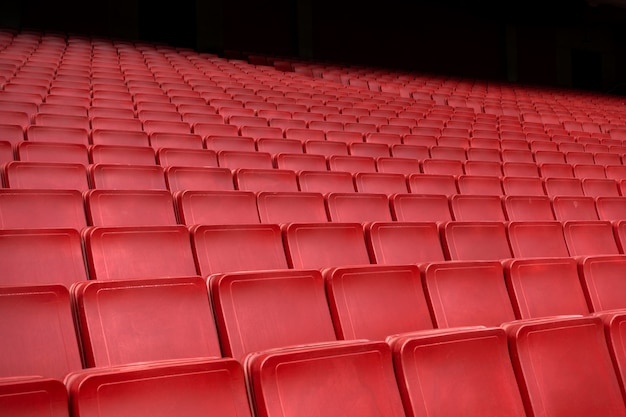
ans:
(70, 153)
(39, 338)
(289, 307)
(611, 208)
(130, 208)
(265, 180)
(24, 397)
(357, 207)
(568, 352)
(475, 240)
(477, 208)
(403, 242)
(41, 256)
(138, 252)
(432, 184)
(373, 302)
(350, 378)
(231, 248)
(528, 208)
(31, 209)
(380, 183)
(420, 208)
(468, 293)
(180, 178)
(45, 176)
(537, 239)
(325, 182)
(127, 177)
(289, 207)
(171, 319)
(198, 387)
(471, 364)
(574, 208)
(322, 245)
(588, 238)
(167, 157)
(544, 287)
(217, 207)
(602, 281)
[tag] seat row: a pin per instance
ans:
(282, 341)
(75, 176)
(56, 255)
(111, 208)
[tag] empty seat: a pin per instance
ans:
(352, 164)
(432, 184)
(230, 248)
(114, 123)
(119, 137)
(44, 175)
(420, 208)
(325, 182)
(52, 152)
(479, 185)
(483, 168)
(121, 154)
(396, 165)
(357, 207)
(138, 252)
(281, 379)
(472, 368)
(373, 302)
(598, 187)
(29, 396)
(477, 208)
(289, 207)
(467, 293)
(265, 180)
(181, 178)
(475, 240)
(544, 287)
(216, 207)
(322, 245)
(127, 177)
(537, 239)
(186, 157)
(171, 319)
(130, 208)
(611, 208)
(574, 208)
(373, 150)
(57, 134)
(244, 159)
(403, 242)
(176, 140)
(442, 167)
(289, 307)
(24, 209)
(523, 186)
(326, 148)
(165, 126)
(381, 183)
(40, 330)
(520, 169)
(602, 279)
(568, 352)
(528, 208)
(563, 186)
(588, 238)
(275, 145)
(589, 171)
(201, 386)
(300, 162)
(6, 151)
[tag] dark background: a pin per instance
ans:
(567, 43)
